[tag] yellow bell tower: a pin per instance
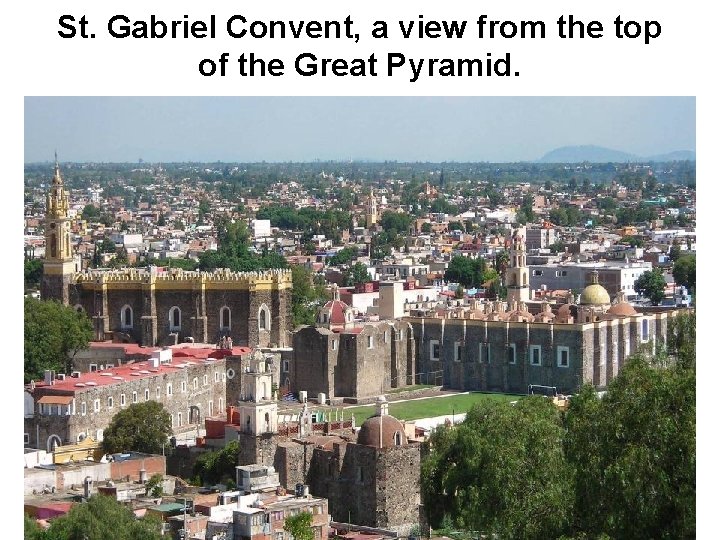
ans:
(371, 210)
(58, 265)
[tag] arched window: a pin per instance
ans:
(264, 318)
(126, 317)
(225, 318)
(175, 318)
(397, 438)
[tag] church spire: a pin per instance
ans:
(58, 264)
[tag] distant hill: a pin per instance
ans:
(678, 155)
(599, 154)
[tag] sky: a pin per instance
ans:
(247, 129)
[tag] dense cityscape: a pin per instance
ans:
(360, 350)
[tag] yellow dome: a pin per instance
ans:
(594, 294)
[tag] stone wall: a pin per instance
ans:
(486, 350)
(398, 487)
(258, 449)
(359, 365)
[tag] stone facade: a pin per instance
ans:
(505, 356)
(365, 361)
(150, 307)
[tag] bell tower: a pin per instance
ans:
(517, 275)
(58, 265)
(371, 210)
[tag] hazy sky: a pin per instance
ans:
(341, 128)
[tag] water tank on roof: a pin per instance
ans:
(302, 396)
(322, 398)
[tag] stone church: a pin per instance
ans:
(508, 346)
(154, 307)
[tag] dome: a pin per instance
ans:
(336, 310)
(622, 309)
(393, 432)
(594, 294)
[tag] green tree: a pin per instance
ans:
(218, 466)
(501, 472)
(684, 271)
(33, 531)
(344, 256)
(459, 292)
(103, 517)
(54, 333)
(141, 427)
(681, 339)
(307, 295)
(633, 452)
(470, 273)
(651, 284)
(357, 273)
(90, 212)
(107, 246)
(154, 486)
(33, 273)
(395, 221)
(300, 526)
(426, 228)
(632, 241)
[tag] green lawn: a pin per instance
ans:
(426, 408)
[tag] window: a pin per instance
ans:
(205, 380)
(434, 350)
(286, 363)
(401, 335)
(210, 408)
(385, 336)
(157, 392)
(484, 353)
(458, 351)
(99, 435)
(174, 319)
(180, 419)
(147, 394)
(535, 355)
(122, 400)
(183, 387)
(370, 342)
(134, 397)
(27, 438)
(217, 376)
(537, 272)
(511, 352)
(645, 330)
(110, 402)
(169, 389)
(93, 367)
(126, 317)
(397, 438)
(96, 405)
(195, 383)
(83, 408)
(563, 357)
(264, 318)
(334, 344)
(225, 318)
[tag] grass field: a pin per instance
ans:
(426, 408)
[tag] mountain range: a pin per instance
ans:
(600, 154)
